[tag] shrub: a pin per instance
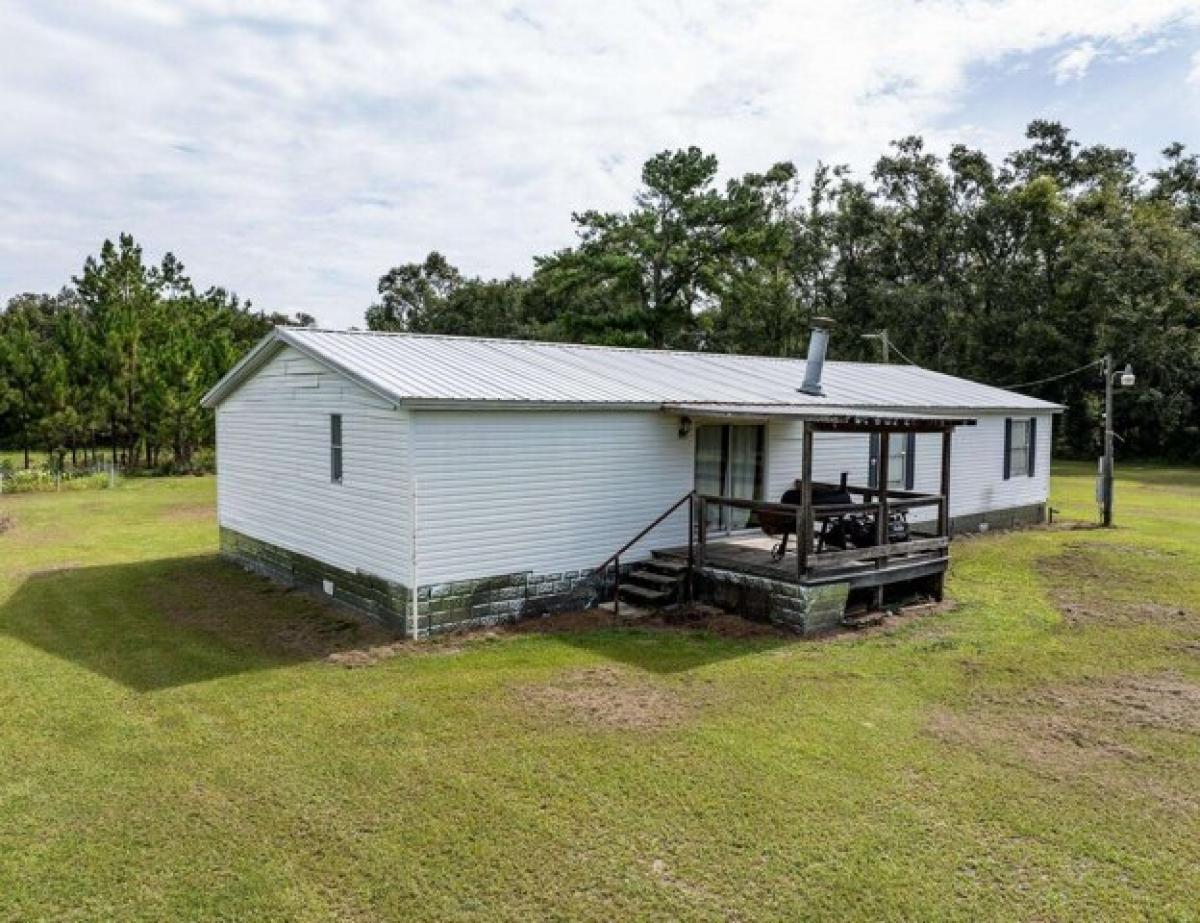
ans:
(22, 481)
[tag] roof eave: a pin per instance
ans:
(242, 369)
(266, 348)
(814, 409)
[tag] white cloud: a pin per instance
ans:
(1074, 64)
(297, 152)
(1194, 74)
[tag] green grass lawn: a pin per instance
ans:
(174, 744)
(16, 457)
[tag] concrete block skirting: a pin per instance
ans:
(504, 598)
(382, 601)
(809, 610)
(440, 607)
(1013, 517)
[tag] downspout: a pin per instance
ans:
(412, 520)
(412, 516)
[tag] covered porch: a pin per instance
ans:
(853, 538)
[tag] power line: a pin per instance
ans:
(1042, 381)
(896, 350)
(1025, 384)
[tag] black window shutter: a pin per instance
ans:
(910, 461)
(1007, 448)
(335, 448)
(1032, 446)
(873, 463)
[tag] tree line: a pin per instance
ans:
(1014, 273)
(119, 360)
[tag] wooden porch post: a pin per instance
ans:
(804, 524)
(881, 517)
(691, 567)
(944, 507)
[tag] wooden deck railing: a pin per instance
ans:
(806, 517)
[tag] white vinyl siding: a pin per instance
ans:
(335, 448)
(977, 482)
(502, 492)
(505, 491)
(833, 453)
(977, 471)
(274, 438)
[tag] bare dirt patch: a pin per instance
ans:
(923, 617)
(608, 697)
(684, 618)
(1110, 612)
(188, 512)
(1095, 585)
(377, 653)
(1065, 728)
(6, 523)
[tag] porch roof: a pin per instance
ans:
(846, 419)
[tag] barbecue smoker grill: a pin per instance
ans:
(838, 530)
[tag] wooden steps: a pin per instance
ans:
(654, 583)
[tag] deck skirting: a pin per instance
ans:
(809, 610)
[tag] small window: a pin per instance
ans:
(335, 448)
(1019, 448)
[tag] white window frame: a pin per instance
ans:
(1019, 448)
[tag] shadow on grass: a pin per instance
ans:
(169, 622)
(656, 646)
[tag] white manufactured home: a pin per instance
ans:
(434, 481)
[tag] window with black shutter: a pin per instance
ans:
(1019, 447)
(335, 448)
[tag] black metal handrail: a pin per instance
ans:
(615, 557)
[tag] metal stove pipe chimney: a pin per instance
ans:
(818, 342)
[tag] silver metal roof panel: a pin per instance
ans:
(451, 371)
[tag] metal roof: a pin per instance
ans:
(428, 370)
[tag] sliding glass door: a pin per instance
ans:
(730, 462)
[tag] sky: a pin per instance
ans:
(293, 150)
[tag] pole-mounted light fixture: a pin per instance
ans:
(1127, 380)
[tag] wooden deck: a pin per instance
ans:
(751, 554)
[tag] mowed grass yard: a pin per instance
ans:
(175, 743)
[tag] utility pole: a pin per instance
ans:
(1106, 463)
(1106, 466)
(882, 337)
